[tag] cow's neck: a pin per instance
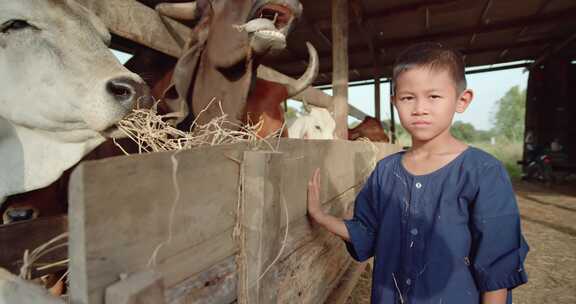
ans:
(33, 159)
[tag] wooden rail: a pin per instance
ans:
(175, 213)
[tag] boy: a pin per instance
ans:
(440, 219)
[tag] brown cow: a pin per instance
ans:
(229, 41)
(369, 128)
(264, 103)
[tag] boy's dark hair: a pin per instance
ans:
(434, 56)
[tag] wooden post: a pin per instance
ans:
(340, 66)
(377, 99)
(261, 221)
(392, 120)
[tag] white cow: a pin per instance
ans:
(315, 123)
(61, 90)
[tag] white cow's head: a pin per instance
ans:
(317, 123)
(61, 90)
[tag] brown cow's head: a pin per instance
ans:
(230, 39)
(266, 22)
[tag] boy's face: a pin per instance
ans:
(426, 100)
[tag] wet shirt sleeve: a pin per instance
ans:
(498, 247)
(363, 226)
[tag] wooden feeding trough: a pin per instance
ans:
(213, 225)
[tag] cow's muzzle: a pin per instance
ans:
(129, 93)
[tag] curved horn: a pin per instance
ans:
(181, 11)
(309, 76)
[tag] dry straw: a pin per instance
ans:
(30, 258)
(154, 133)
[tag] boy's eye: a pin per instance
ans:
(435, 96)
(406, 98)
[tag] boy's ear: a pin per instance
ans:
(464, 100)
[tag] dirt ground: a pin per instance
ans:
(549, 225)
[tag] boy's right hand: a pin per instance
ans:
(314, 207)
(331, 223)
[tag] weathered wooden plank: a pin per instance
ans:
(15, 238)
(139, 217)
(215, 285)
(340, 66)
(312, 271)
(260, 218)
(135, 21)
(146, 287)
(344, 165)
(218, 284)
(304, 243)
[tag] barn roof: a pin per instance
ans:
(485, 31)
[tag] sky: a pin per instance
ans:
(488, 88)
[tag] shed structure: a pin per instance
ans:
(371, 33)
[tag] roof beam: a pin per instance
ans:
(489, 69)
(540, 9)
(316, 30)
(552, 51)
(481, 19)
(469, 51)
(403, 8)
(554, 17)
(567, 14)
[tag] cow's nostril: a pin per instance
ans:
(122, 89)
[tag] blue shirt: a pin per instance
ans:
(443, 237)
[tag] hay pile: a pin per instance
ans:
(154, 133)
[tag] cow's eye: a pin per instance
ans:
(14, 25)
(318, 128)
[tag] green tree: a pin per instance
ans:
(290, 113)
(508, 117)
(464, 131)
